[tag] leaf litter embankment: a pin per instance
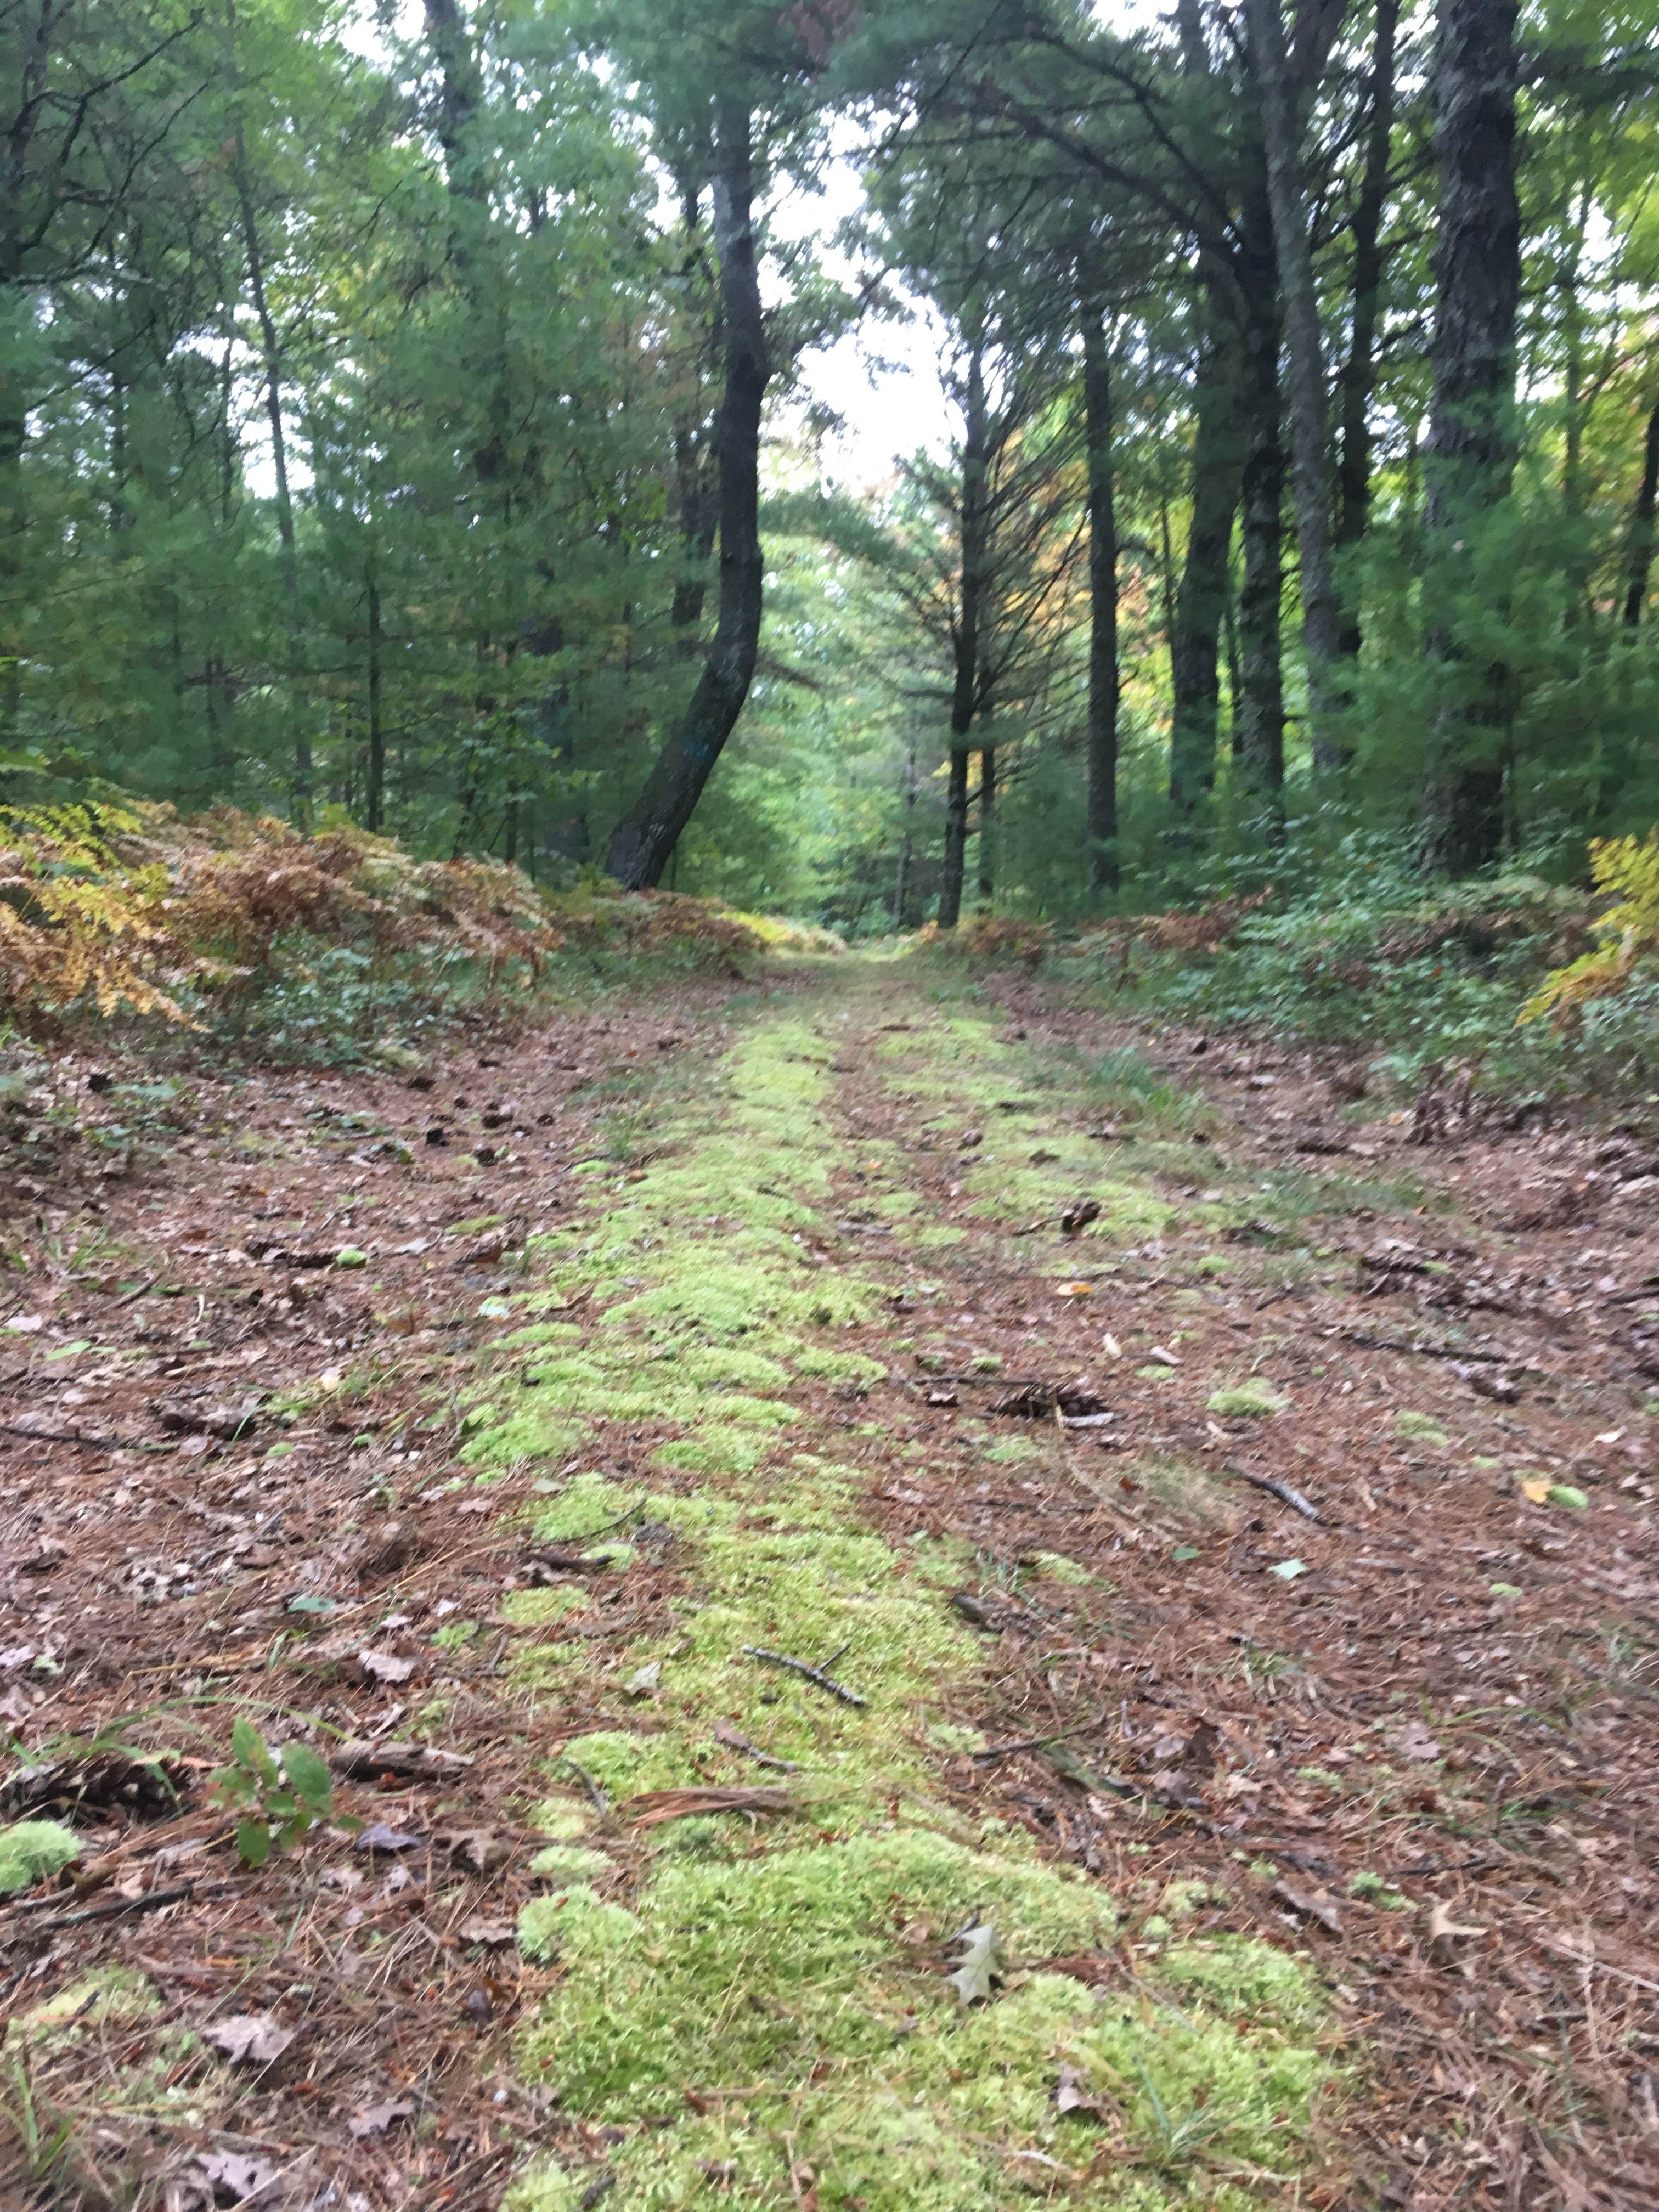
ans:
(873, 1991)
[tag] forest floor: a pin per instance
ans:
(1219, 1765)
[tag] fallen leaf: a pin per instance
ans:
(1312, 1904)
(385, 1666)
(26, 1324)
(479, 1929)
(1074, 1290)
(645, 1681)
(482, 1848)
(1567, 1494)
(1288, 1571)
(250, 2039)
(1444, 1934)
(381, 1837)
(1414, 1741)
(228, 2169)
(1537, 1488)
(1077, 1218)
(1163, 1356)
(1073, 2094)
(979, 1966)
(376, 2119)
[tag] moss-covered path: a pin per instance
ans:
(837, 1978)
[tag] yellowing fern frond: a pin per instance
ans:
(1627, 870)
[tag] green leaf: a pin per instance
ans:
(248, 1748)
(1184, 1552)
(253, 1842)
(308, 1775)
(310, 1603)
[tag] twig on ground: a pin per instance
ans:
(1030, 1743)
(117, 1908)
(1282, 1490)
(807, 1673)
(729, 1736)
(588, 1784)
(84, 1437)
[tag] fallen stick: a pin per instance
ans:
(82, 1436)
(1030, 1743)
(115, 1910)
(1367, 1342)
(807, 1673)
(1282, 1491)
(729, 1736)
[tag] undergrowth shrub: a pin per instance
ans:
(1372, 958)
(311, 946)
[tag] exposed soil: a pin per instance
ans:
(1350, 1660)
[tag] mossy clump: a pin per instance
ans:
(813, 1978)
(1420, 1428)
(32, 1850)
(1253, 1400)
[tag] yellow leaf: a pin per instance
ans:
(1538, 1489)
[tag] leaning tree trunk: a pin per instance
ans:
(1358, 376)
(965, 686)
(1638, 560)
(1471, 456)
(1104, 688)
(642, 841)
(1305, 363)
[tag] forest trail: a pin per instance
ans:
(920, 1612)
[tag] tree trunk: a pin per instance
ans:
(691, 489)
(642, 841)
(965, 684)
(1359, 377)
(906, 839)
(1639, 561)
(271, 364)
(376, 795)
(1471, 447)
(1259, 697)
(1100, 825)
(1201, 598)
(988, 825)
(1304, 351)
(956, 839)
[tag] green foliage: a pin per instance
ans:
(278, 1800)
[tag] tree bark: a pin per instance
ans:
(1471, 447)
(271, 354)
(1639, 561)
(988, 825)
(1100, 827)
(643, 840)
(1202, 598)
(1259, 709)
(375, 808)
(1304, 351)
(965, 681)
(1358, 376)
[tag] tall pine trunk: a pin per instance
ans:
(1259, 706)
(1202, 598)
(643, 840)
(1304, 352)
(1638, 559)
(988, 825)
(1358, 376)
(1100, 829)
(971, 612)
(1471, 447)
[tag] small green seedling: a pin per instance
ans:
(279, 1799)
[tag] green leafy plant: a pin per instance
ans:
(279, 1798)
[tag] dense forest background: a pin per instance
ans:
(403, 418)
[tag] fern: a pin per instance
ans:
(1627, 870)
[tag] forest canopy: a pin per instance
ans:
(408, 417)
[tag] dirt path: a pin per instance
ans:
(953, 1698)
